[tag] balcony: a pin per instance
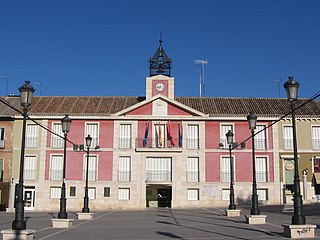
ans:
(193, 176)
(30, 174)
(124, 142)
(153, 144)
(92, 175)
(287, 144)
(56, 174)
(158, 176)
(124, 176)
(315, 144)
(1, 143)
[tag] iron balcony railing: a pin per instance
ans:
(56, 174)
(157, 143)
(193, 176)
(315, 144)
(124, 176)
(288, 143)
(158, 176)
(125, 142)
(92, 175)
(30, 174)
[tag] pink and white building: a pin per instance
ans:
(157, 150)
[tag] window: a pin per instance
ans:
(92, 193)
(289, 174)
(159, 136)
(225, 194)
(124, 194)
(73, 191)
(261, 169)
(30, 167)
(223, 131)
(287, 137)
(92, 129)
(316, 165)
(1, 169)
(262, 194)
(225, 169)
(31, 135)
(158, 169)
(57, 142)
(193, 194)
(106, 192)
(56, 169)
(92, 170)
(125, 136)
(316, 137)
(1, 137)
(260, 140)
(55, 192)
(193, 137)
(124, 169)
(193, 169)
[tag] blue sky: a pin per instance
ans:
(101, 48)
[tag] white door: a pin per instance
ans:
(29, 198)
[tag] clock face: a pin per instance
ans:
(159, 86)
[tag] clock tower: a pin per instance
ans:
(160, 80)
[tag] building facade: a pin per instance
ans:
(154, 151)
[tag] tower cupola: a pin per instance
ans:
(160, 63)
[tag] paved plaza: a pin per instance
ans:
(166, 223)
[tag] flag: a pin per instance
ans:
(156, 136)
(170, 134)
(180, 135)
(145, 140)
(160, 136)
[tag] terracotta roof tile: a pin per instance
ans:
(213, 106)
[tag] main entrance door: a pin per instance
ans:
(164, 197)
(158, 196)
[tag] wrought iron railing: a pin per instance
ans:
(157, 143)
(193, 176)
(56, 174)
(158, 176)
(124, 176)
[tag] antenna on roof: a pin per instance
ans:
(40, 86)
(278, 80)
(6, 78)
(202, 62)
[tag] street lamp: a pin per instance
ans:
(66, 123)
(252, 120)
(85, 208)
(229, 136)
(291, 87)
(26, 93)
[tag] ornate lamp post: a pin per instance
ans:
(26, 94)
(252, 120)
(291, 87)
(85, 208)
(66, 123)
(229, 136)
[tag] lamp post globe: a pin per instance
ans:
(252, 121)
(229, 136)
(292, 87)
(66, 124)
(26, 94)
(85, 208)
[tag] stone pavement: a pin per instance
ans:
(166, 223)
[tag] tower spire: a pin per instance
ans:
(160, 63)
